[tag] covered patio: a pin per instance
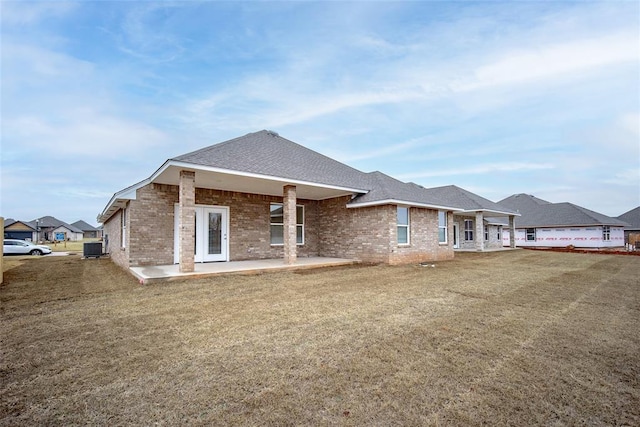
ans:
(160, 273)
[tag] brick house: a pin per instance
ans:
(261, 196)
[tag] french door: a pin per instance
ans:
(211, 238)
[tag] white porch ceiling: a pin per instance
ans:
(271, 186)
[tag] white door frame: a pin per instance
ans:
(201, 213)
(456, 235)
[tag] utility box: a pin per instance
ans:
(92, 249)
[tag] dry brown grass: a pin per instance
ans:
(511, 338)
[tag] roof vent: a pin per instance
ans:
(273, 133)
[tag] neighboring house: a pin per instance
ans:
(88, 230)
(545, 224)
(632, 231)
(52, 229)
(262, 196)
(476, 226)
(14, 229)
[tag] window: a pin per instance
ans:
(468, 230)
(606, 233)
(403, 226)
(123, 223)
(499, 233)
(486, 233)
(277, 224)
(442, 227)
(531, 234)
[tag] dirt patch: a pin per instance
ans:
(506, 338)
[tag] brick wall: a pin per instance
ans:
(152, 216)
(370, 234)
(424, 245)
(113, 232)
(361, 233)
(331, 229)
(493, 241)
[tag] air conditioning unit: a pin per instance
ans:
(92, 249)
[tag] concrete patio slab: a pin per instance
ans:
(159, 273)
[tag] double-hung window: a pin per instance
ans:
(499, 233)
(468, 230)
(606, 233)
(486, 233)
(442, 227)
(531, 234)
(403, 225)
(277, 224)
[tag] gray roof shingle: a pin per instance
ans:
(459, 197)
(539, 213)
(632, 218)
(267, 153)
(84, 226)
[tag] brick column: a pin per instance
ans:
(512, 231)
(289, 213)
(479, 240)
(187, 220)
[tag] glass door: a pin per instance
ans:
(211, 242)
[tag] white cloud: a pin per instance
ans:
(31, 12)
(627, 177)
(552, 61)
(478, 170)
(88, 134)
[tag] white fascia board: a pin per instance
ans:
(490, 212)
(128, 193)
(196, 167)
(402, 203)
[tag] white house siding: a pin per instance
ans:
(580, 237)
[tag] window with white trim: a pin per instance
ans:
(403, 225)
(123, 224)
(531, 234)
(468, 230)
(499, 233)
(606, 233)
(277, 224)
(486, 233)
(442, 226)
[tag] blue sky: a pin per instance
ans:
(498, 98)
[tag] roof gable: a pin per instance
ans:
(267, 153)
(467, 200)
(80, 224)
(540, 213)
(52, 222)
(632, 218)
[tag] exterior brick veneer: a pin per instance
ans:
(331, 229)
(186, 220)
(478, 233)
(289, 224)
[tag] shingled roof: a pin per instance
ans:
(267, 153)
(385, 188)
(540, 213)
(632, 218)
(266, 156)
(456, 196)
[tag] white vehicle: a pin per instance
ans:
(21, 247)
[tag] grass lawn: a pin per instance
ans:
(69, 246)
(506, 338)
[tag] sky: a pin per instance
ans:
(498, 98)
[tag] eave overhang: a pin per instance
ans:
(227, 180)
(402, 203)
